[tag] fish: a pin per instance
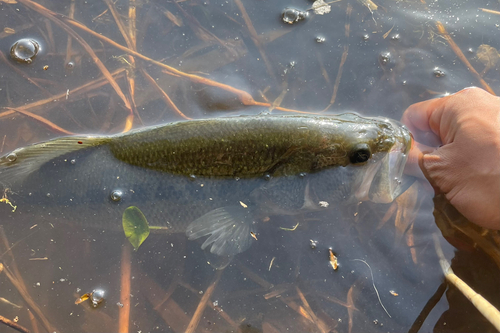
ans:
(209, 178)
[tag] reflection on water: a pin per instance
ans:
(220, 58)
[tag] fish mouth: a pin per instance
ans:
(382, 182)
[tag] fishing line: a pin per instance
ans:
(373, 283)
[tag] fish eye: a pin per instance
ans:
(360, 153)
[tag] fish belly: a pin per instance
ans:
(92, 188)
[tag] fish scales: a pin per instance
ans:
(241, 146)
(216, 177)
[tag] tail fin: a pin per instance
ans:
(20, 163)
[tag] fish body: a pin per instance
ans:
(214, 177)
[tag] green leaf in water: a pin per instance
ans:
(135, 226)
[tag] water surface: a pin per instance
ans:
(372, 60)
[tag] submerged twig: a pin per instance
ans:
(266, 285)
(98, 16)
(462, 57)
(6, 301)
(255, 37)
(201, 32)
(44, 121)
(167, 308)
(34, 323)
(350, 308)
(13, 325)
(320, 324)
(335, 300)
(277, 102)
(54, 17)
(124, 313)
(22, 74)
(50, 36)
(132, 16)
(480, 303)
(130, 41)
(17, 281)
(74, 92)
(131, 72)
(195, 320)
(271, 263)
(244, 97)
(70, 39)
(339, 76)
(212, 305)
(118, 21)
(342, 59)
(165, 96)
(290, 229)
(490, 11)
(168, 293)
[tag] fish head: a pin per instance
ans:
(381, 177)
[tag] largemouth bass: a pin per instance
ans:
(215, 177)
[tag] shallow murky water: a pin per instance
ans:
(375, 58)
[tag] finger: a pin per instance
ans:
(413, 165)
(427, 138)
(437, 115)
(417, 118)
(425, 116)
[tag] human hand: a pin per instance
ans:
(466, 165)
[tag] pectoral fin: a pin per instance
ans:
(229, 229)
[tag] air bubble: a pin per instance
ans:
(395, 37)
(267, 176)
(366, 37)
(97, 297)
(438, 72)
(313, 244)
(320, 39)
(24, 50)
(384, 58)
(12, 157)
(70, 65)
(292, 15)
(116, 195)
